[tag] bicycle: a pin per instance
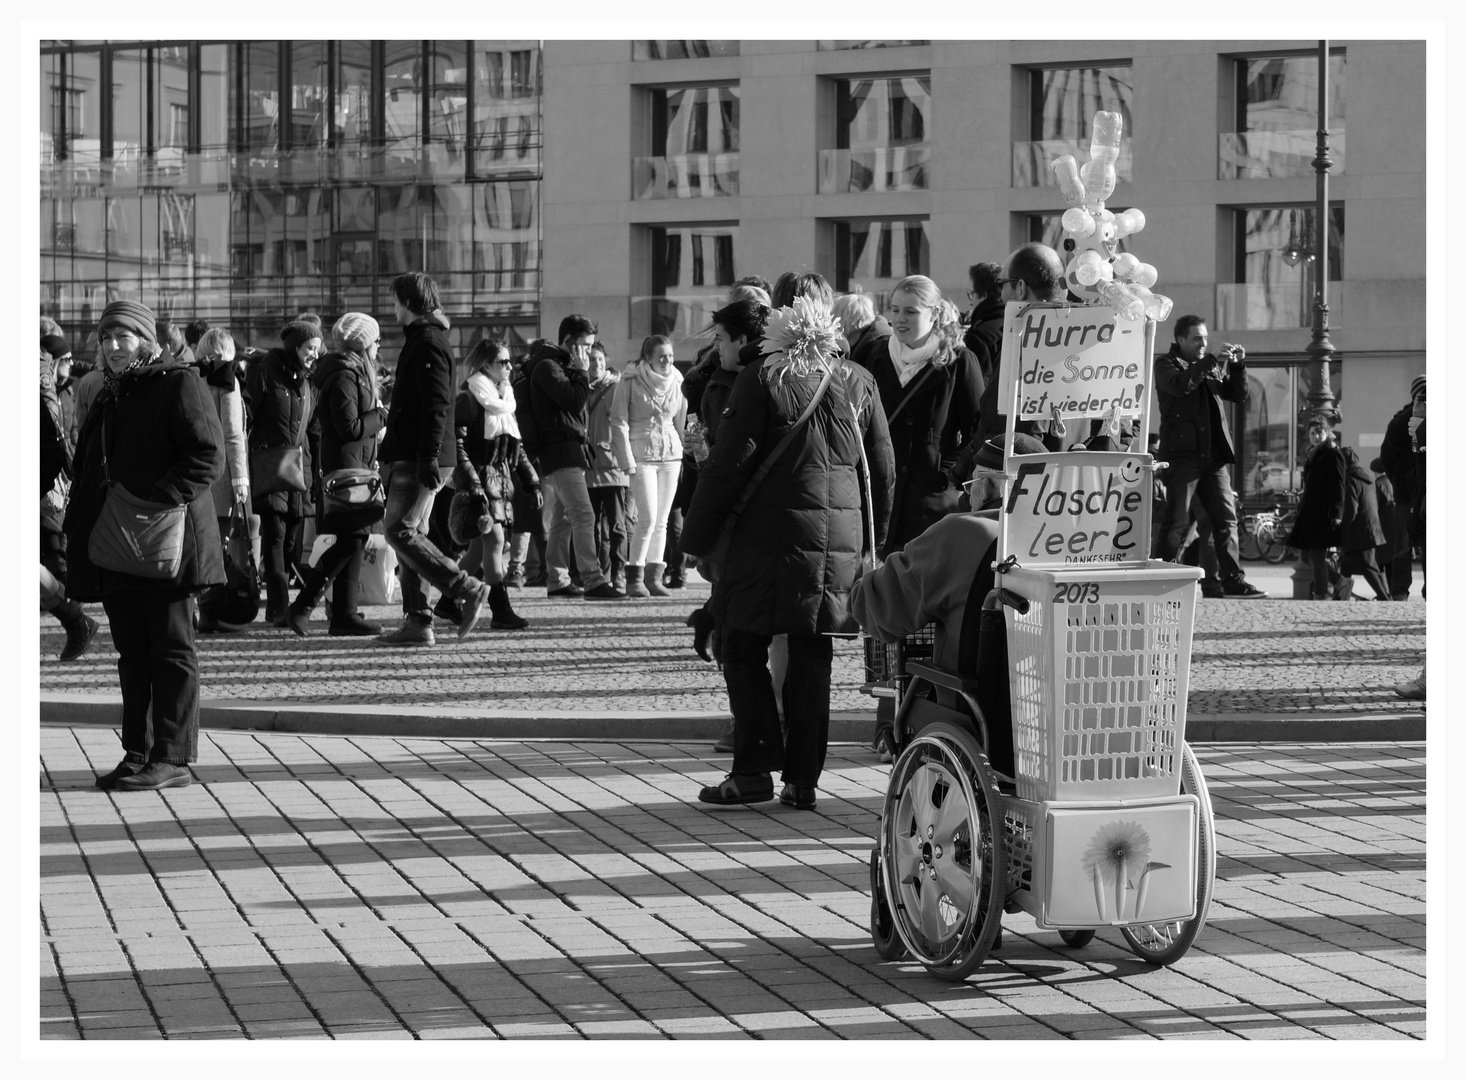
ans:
(1266, 531)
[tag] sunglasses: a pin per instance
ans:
(1006, 281)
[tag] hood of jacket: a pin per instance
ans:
(544, 350)
(333, 363)
(286, 363)
(437, 317)
(136, 380)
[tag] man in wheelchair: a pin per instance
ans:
(945, 577)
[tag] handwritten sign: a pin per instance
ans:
(1078, 508)
(1081, 360)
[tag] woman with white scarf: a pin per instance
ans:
(648, 415)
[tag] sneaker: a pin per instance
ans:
(604, 591)
(571, 590)
(1414, 690)
(798, 796)
(154, 776)
(1238, 588)
(79, 636)
(473, 607)
(725, 744)
(1211, 589)
(411, 632)
(739, 790)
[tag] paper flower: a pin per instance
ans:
(1113, 850)
(804, 337)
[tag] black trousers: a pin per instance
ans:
(612, 529)
(758, 745)
(158, 667)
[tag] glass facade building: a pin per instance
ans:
(243, 182)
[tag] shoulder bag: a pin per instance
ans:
(279, 468)
(136, 536)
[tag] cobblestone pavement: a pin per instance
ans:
(1258, 656)
(359, 888)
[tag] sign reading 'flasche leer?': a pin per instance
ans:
(1077, 508)
(1082, 361)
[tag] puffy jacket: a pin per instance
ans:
(281, 403)
(1397, 455)
(942, 408)
(1322, 503)
(715, 400)
(420, 420)
(984, 336)
(640, 431)
(603, 470)
(557, 396)
(796, 550)
(348, 414)
(219, 376)
(164, 444)
(1193, 419)
(1362, 529)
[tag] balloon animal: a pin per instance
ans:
(1092, 233)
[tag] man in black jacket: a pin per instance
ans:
(1196, 443)
(558, 390)
(984, 336)
(1397, 455)
(418, 446)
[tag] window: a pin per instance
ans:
(129, 105)
(352, 118)
(310, 80)
(84, 107)
(876, 254)
(506, 114)
(1062, 104)
(888, 43)
(261, 97)
(1275, 269)
(448, 104)
(214, 96)
(1277, 117)
(1273, 443)
(694, 144)
(170, 99)
(882, 141)
(692, 268)
(681, 50)
(402, 79)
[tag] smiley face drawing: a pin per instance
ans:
(1130, 470)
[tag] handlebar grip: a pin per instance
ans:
(1014, 601)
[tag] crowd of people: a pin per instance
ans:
(799, 460)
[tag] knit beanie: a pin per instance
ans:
(55, 346)
(130, 315)
(1417, 384)
(991, 454)
(299, 330)
(355, 332)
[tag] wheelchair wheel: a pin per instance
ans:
(942, 862)
(1165, 943)
(882, 929)
(1077, 939)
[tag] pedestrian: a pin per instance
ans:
(790, 446)
(56, 472)
(350, 419)
(485, 409)
(1320, 521)
(215, 362)
(648, 416)
(860, 324)
(984, 335)
(1362, 531)
(417, 446)
(153, 432)
(607, 482)
(1196, 441)
(558, 391)
(281, 403)
(1397, 455)
(57, 352)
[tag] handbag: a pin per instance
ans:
(279, 468)
(136, 536)
(711, 565)
(351, 499)
(237, 601)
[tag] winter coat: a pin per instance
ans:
(603, 470)
(281, 402)
(497, 459)
(348, 415)
(866, 338)
(228, 401)
(420, 419)
(1362, 529)
(927, 436)
(164, 444)
(714, 401)
(640, 430)
(1193, 420)
(695, 376)
(796, 550)
(1322, 504)
(1397, 455)
(558, 393)
(984, 336)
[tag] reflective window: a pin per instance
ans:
(448, 109)
(877, 254)
(176, 229)
(170, 98)
(262, 96)
(211, 234)
(692, 267)
(53, 106)
(1275, 270)
(506, 108)
(883, 112)
(399, 241)
(215, 94)
(309, 90)
(1064, 100)
(353, 119)
(681, 50)
(1277, 118)
(694, 120)
(402, 100)
(885, 43)
(129, 105)
(84, 107)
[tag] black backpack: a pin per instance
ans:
(529, 431)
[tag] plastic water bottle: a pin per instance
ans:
(1145, 275)
(1120, 297)
(1088, 267)
(1078, 222)
(1129, 222)
(1125, 265)
(1066, 171)
(1156, 306)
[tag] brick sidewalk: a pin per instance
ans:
(319, 886)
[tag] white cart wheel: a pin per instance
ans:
(942, 864)
(1165, 943)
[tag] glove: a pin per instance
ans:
(428, 474)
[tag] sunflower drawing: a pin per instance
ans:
(1115, 850)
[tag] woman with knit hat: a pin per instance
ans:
(152, 431)
(281, 403)
(350, 416)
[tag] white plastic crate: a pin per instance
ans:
(1098, 672)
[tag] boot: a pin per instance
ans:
(313, 587)
(635, 587)
(675, 577)
(80, 629)
(653, 579)
(346, 621)
(504, 617)
(277, 598)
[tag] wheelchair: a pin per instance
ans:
(1053, 779)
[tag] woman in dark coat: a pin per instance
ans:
(1362, 529)
(1320, 523)
(156, 425)
(930, 387)
(798, 546)
(281, 402)
(349, 417)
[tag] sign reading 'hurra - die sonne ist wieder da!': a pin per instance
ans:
(1078, 360)
(1076, 509)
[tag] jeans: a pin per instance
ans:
(758, 745)
(405, 525)
(612, 511)
(567, 511)
(652, 486)
(1212, 486)
(158, 667)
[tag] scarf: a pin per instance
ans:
(662, 388)
(908, 362)
(112, 383)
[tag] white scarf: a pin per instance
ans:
(661, 387)
(908, 362)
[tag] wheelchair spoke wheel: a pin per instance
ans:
(1165, 943)
(942, 865)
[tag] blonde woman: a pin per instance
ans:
(648, 417)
